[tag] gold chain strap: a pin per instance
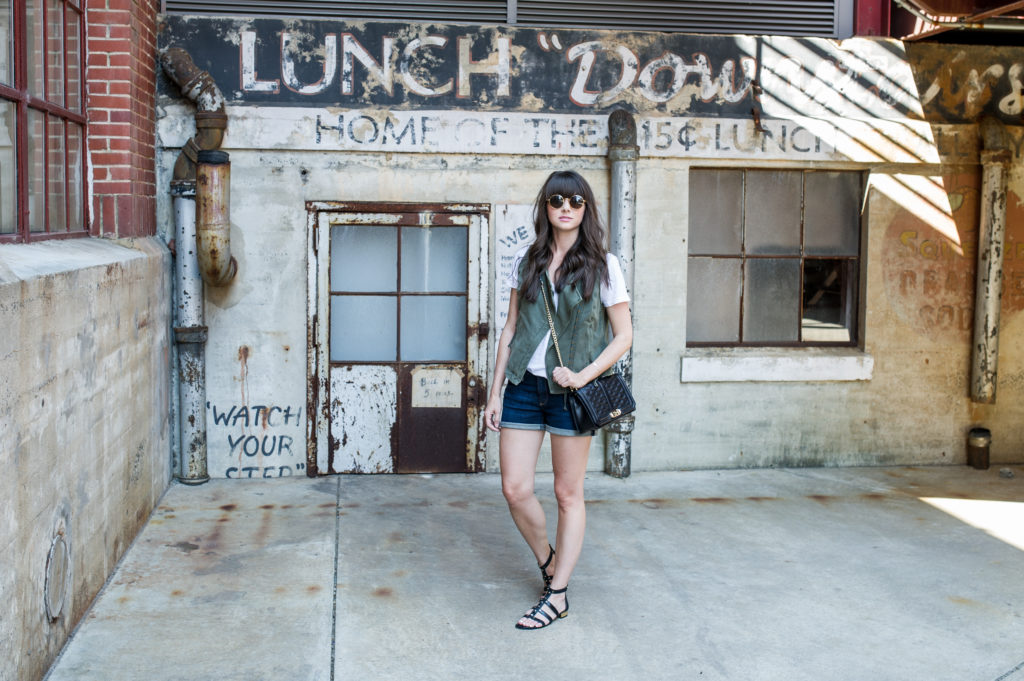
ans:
(551, 323)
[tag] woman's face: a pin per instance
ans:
(565, 217)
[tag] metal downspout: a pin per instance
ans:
(623, 153)
(190, 335)
(202, 251)
(995, 158)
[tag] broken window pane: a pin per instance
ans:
(771, 300)
(828, 301)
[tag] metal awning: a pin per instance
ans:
(938, 16)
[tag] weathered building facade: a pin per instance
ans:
(802, 222)
(803, 261)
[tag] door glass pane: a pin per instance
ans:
(716, 211)
(713, 287)
(6, 42)
(35, 177)
(832, 214)
(55, 176)
(364, 258)
(434, 259)
(74, 56)
(772, 209)
(434, 328)
(828, 301)
(55, 51)
(363, 328)
(8, 200)
(34, 45)
(771, 300)
(76, 216)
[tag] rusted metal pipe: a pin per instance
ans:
(211, 121)
(190, 339)
(213, 227)
(623, 153)
(217, 266)
(995, 159)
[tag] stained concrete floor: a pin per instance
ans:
(868, 574)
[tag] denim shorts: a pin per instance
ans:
(529, 406)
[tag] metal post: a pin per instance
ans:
(623, 153)
(995, 157)
(190, 335)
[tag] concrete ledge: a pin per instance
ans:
(710, 365)
(20, 262)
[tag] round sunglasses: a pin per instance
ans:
(575, 201)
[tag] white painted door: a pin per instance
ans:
(396, 337)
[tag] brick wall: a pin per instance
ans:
(121, 83)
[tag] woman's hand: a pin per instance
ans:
(492, 414)
(568, 379)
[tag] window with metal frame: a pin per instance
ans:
(42, 122)
(825, 18)
(774, 257)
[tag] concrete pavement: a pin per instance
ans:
(867, 574)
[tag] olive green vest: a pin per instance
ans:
(581, 325)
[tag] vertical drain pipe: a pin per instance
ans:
(203, 249)
(995, 158)
(623, 153)
(190, 335)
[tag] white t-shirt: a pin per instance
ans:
(612, 293)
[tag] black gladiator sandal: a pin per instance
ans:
(544, 569)
(545, 612)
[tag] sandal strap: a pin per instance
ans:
(551, 555)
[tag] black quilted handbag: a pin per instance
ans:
(604, 400)
(600, 402)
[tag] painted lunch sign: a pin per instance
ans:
(370, 85)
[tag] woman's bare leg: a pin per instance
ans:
(569, 461)
(519, 450)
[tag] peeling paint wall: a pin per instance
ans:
(316, 119)
(84, 425)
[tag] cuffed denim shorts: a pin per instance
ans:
(530, 406)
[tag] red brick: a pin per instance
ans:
(119, 174)
(106, 158)
(109, 73)
(109, 45)
(105, 17)
(121, 32)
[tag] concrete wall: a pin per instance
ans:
(899, 397)
(84, 426)
(914, 408)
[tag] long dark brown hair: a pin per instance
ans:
(584, 264)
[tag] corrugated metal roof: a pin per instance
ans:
(776, 17)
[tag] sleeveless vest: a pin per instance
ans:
(581, 325)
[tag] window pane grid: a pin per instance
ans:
(42, 125)
(357, 252)
(791, 293)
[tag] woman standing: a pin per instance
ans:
(565, 272)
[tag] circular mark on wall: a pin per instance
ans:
(58, 571)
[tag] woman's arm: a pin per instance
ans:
(622, 339)
(492, 412)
